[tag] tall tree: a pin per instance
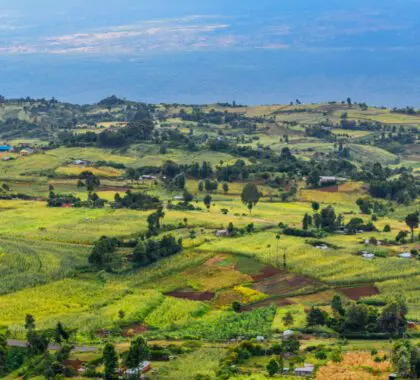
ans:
(412, 221)
(250, 195)
(29, 322)
(110, 360)
(288, 319)
(3, 354)
(138, 352)
(207, 201)
(272, 367)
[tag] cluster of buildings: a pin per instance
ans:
(22, 149)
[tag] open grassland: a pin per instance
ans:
(335, 267)
(25, 264)
(367, 153)
(102, 172)
(204, 361)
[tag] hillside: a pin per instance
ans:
(200, 226)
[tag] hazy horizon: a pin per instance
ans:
(201, 52)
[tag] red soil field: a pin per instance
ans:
(266, 272)
(193, 296)
(265, 303)
(329, 189)
(134, 329)
(362, 291)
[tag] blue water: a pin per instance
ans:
(266, 51)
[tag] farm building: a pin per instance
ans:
(142, 368)
(329, 180)
(222, 233)
(81, 162)
(26, 152)
(288, 334)
(146, 176)
(306, 370)
(6, 148)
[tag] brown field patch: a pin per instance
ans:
(133, 330)
(210, 276)
(356, 366)
(329, 189)
(359, 292)
(315, 298)
(192, 296)
(266, 272)
(274, 301)
(284, 284)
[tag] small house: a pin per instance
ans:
(368, 256)
(288, 334)
(221, 233)
(26, 152)
(142, 368)
(81, 162)
(178, 198)
(306, 370)
(405, 255)
(330, 180)
(260, 339)
(147, 176)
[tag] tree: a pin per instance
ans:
(250, 195)
(328, 219)
(138, 352)
(207, 201)
(110, 360)
(37, 343)
(392, 319)
(29, 322)
(288, 319)
(225, 187)
(313, 178)
(236, 306)
(406, 359)
(317, 221)
(315, 206)
(201, 186)
(104, 255)
(272, 367)
(306, 222)
(365, 205)
(60, 333)
(91, 181)
(187, 196)
(337, 305)
(3, 354)
(412, 221)
(356, 317)
(317, 317)
(179, 181)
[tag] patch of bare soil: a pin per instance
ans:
(134, 329)
(276, 301)
(266, 272)
(193, 296)
(359, 292)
